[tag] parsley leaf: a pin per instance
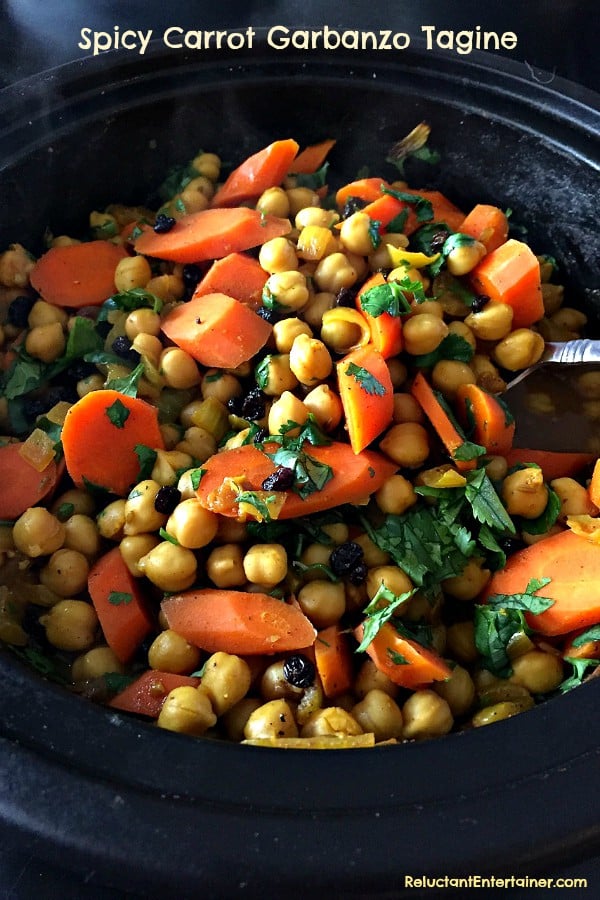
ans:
(494, 631)
(260, 503)
(396, 657)
(146, 458)
(390, 298)
(379, 611)
(314, 180)
(590, 634)
(128, 385)
(366, 380)
(117, 413)
(127, 301)
(528, 601)
(261, 372)
(196, 477)
(374, 228)
(580, 667)
(453, 346)
(119, 598)
(486, 504)
(423, 207)
(310, 475)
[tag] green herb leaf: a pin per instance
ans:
(580, 667)
(164, 534)
(65, 511)
(398, 223)
(313, 181)
(128, 301)
(590, 634)
(494, 631)
(319, 568)
(269, 300)
(147, 458)
(374, 229)
(177, 179)
(196, 476)
(423, 207)
(486, 504)
(260, 504)
(546, 520)
(366, 380)
(396, 657)
(128, 384)
(376, 614)
(468, 450)
(115, 682)
(119, 598)
(118, 414)
(529, 601)
(388, 298)
(453, 346)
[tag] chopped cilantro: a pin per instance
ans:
(366, 380)
(590, 634)
(309, 474)
(128, 384)
(580, 667)
(116, 682)
(320, 568)
(544, 522)
(196, 477)
(117, 413)
(398, 223)
(390, 298)
(65, 511)
(423, 207)
(453, 346)
(396, 657)
(261, 372)
(127, 301)
(374, 232)
(315, 180)
(269, 300)
(119, 598)
(146, 458)
(379, 611)
(260, 502)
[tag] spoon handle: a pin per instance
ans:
(575, 352)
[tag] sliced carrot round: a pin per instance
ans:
(22, 485)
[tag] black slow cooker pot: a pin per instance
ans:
(154, 812)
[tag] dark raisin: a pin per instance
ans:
(122, 347)
(18, 311)
(280, 480)
(191, 275)
(346, 297)
(103, 328)
(267, 314)
(479, 302)
(299, 671)
(163, 223)
(345, 557)
(80, 369)
(234, 405)
(60, 392)
(167, 498)
(352, 205)
(253, 404)
(261, 435)
(510, 545)
(33, 407)
(438, 239)
(358, 574)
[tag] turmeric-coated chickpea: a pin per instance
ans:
(524, 493)
(274, 202)
(463, 331)
(356, 234)
(274, 719)
(197, 194)
(132, 272)
(372, 554)
(465, 257)
(460, 642)
(333, 720)
(574, 498)
(370, 678)
(519, 349)
(287, 408)
(378, 713)
(234, 720)
(224, 566)
(317, 305)
(71, 625)
(448, 374)
(81, 534)
(171, 652)
(111, 520)
(469, 583)
(310, 360)
(323, 602)
(458, 691)
(537, 671)
(95, 663)
(38, 533)
(207, 164)
(335, 272)
(278, 255)
(395, 495)
(275, 376)
(426, 715)
(178, 368)
(406, 409)
(142, 321)
(266, 564)
(141, 514)
(198, 442)
(288, 289)
(301, 197)
(167, 288)
(393, 578)
(570, 319)
(46, 342)
(134, 547)
(187, 710)
(492, 323)
(65, 573)
(407, 444)
(285, 332)
(423, 333)
(325, 405)
(192, 525)
(43, 313)
(169, 567)
(315, 215)
(226, 678)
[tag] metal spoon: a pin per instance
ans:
(549, 408)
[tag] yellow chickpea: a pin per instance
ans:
(463, 331)
(395, 495)
(132, 272)
(524, 493)
(325, 405)
(378, 713)
(142, 321)
(207, 164)
(469, 583)
(170, 652)
(448, 374)
(71, 625)
(574, 498)
(278, 255)
(323, 602)
(95, 663)
(537, 671)
(407, 444)
(134, 547)
(167, 288)
(266, 564)
(493, 322)
(310, 360)
(65, 573)
(370, 678)
(179, 369)
(46, 342)
(288, 289)
(393, 578)
(192, 525)
(274, 202)
(111, 520)
(274, 719)
(226, 679)
(225, 566)
(315, 215)
(301, 197)
(288, 408)
(356, 234)
(285, 331)
(38, 533)
(140, 513)
(406, 409)
(169, 567)
(335, 272)
(423, 333)
(465, 257)
(187, 710)
(426, 715)
(519, 349)
(317, 306)
(43, 313)
(196, 194)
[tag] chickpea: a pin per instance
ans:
(464, 332)
(167, 288)
(460, 642)
(570, 319)
(71, 625)
(169, 567)
(486, 374)
(333, 720)
(275, 376)
(344, 329)
(288, 408)
(192, 525)
(65, 573)
(588, 385)
(234, 721)
(426, 715)
(492, 323)
(274, 684)
(317, 306)
(196, 195)
(285, 331)
(382, 257)
(187, 710)
(111, 520)
(574, 498)
(226, 679)
(73, 502)
(423, 333)
(458, 691)
(15, 265)
(519, 349)
(323, 602)
(372, 555)
(537, 671)
(395, 495)
(225, 567)
(46, 342)
(524, 493)
(38, 533)
(179, 369)
(325, 405)
(170, 652)
(288, 289)
(95, 663)
(465, 257)
(496, 467)
(207, 164)
(469, 583)
(301, 197)
(142, 321)
(278, 255)
(378, 713)
(448, 374)
(274, 202)
(266, 564)
(141, 515)
(393, 578)
(198, 442)
(315, 215)
(43, 313)
(310, 360)
(134, 547)
(274, 719)
(149, 346)
(335, 272)
(407, 444)
(356, 234)
(133, 272)
(81, 534)
(370, 678)
(406, 409)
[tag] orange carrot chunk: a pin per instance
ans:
(404, 661)
(119, 604)
(367, 395)
(217, 330)
(443, 210)
(367, 189)
(78, 274)
(353, 476)
(385, 209)
(333, 658)
(237, 275)
(575, 648)
(385, 329)
(238, 622)
(261, 171)
(442, 423)
(594, 485)
(211, 234)
(572, 564)
(311, 158)
(105, 436)
(487, 224)
(511, 274)
(146, 695)
(22, 485)
(553, 464)
(494, 429)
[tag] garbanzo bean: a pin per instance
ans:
(192, 525)
(395, 495)
(323, 602)
(519, 349)
(524, 493)
(38, 533)
(423, 333)
(71, 625)
(274, 202)
(310, 360)
(377, 712)
(187, 710)
(133, 272)
(288, 289)
(170, 652)
(225, 566)
(65, 573)
(325, 406)
(278, 255)
(426, 715)
(274, 719)
(81, 534)
(169, 567)
(95, 663)
(265, 564)
(407, 444)
(226, 678)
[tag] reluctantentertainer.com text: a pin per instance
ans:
(279, 37)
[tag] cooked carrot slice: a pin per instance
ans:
(78, 274)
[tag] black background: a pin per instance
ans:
(556, 38)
